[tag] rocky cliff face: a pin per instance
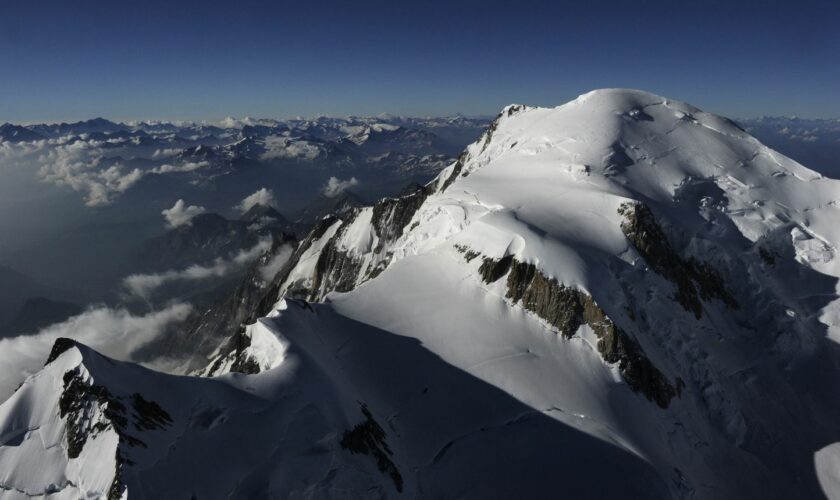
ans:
(567, 309)
(696, 281)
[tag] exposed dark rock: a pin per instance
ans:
(491, 270)
(566, 309)
(491, 129)
(392, 215)
(469, 254)
(73, 404)
(243, 363)
(117, 488)
(559, 305)
(336, 269)
(696, 281)
(456, 171)
(368, 438)
(515, 108)
(60, 346)
(617, 347)
(78, 404)
(339, 270)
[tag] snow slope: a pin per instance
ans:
(622, 295)
(557, 188)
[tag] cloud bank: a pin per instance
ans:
(180, 214)
(144, 285)
(273, 266)
(336, 186)
(113, 332)
(88, 166)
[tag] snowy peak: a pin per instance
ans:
(619, 283)
(76, 420)
(654, 239)
(62, 345)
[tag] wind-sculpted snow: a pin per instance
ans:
(620, 296)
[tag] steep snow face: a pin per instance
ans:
(692, 265)
(622, 295)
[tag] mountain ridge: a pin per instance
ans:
(622, 279)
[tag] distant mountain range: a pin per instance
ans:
(813, 142)
(126, 174)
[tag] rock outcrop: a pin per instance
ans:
(567, 309)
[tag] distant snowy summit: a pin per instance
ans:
(619, 296)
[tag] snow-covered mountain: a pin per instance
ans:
(622, 295)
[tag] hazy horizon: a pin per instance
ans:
(202, 60)
(216, 121)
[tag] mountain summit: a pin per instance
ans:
(622, 295)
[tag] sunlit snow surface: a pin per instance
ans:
(479, 398)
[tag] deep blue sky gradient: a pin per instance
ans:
(189, 59)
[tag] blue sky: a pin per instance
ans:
(189, 59)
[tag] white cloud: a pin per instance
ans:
(166, 152)
(336, 186)
(113, 332)
(247, 255)
(260, 197)
(181, 214)
(231, 122)
(143, 285)
(186, 167)
(278, 147)
(83, 165)
(272, 267)
(78, 165)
